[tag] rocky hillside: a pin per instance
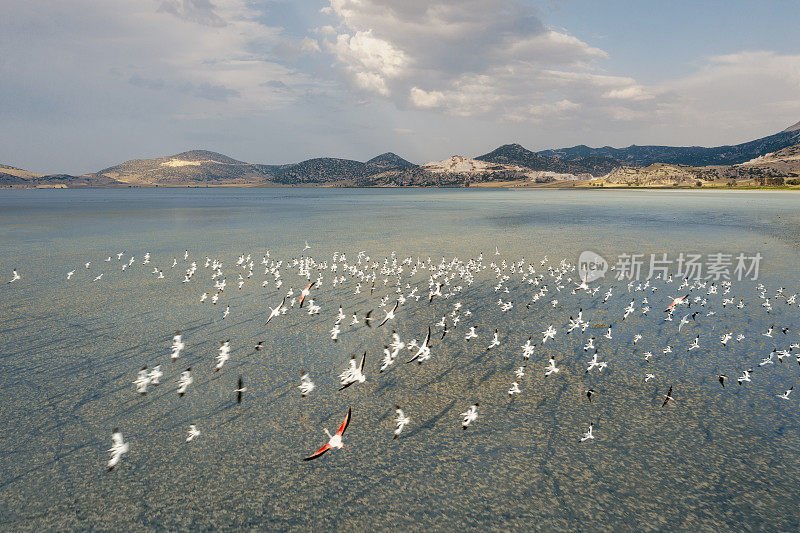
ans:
(388, 161)
(657, 174)
(515, 154)
(793, 127)
(785, 161)
(14, 172)
(331, 170)
(477, 170)
(12, 177)
(690, 155)
(196, 167)
(768, 158)
(320, 170)
(775, 168)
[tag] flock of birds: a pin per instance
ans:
(396, 283)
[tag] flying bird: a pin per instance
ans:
(118, 448)
(668, 397)
(239, 390)
(335, 440)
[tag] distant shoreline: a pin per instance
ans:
(503, 185)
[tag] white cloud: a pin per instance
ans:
(309, 45)
(631, 92)
(426, 99)
(369, 60)
(496, 60)
(466, 57)
(204, 59)
(748, 91)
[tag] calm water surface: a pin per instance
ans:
(717, 459)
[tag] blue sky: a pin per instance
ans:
(89, 83)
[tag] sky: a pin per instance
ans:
(86, 84)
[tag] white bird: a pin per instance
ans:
(223, 355)
(70, 273)
(549, 333)
(306, 385)
(551, 367)
(155, 375)
(142, 381)
(389, 314)
(396, 345)
(354, 373)
(388, 358)
(745, 376)
(695, 344)
(118, 448)
(514, 389)
(177, 345)
(424, 351)
(588, 435)
(469, 416)
(184, 381)
(786, 394)
(193, 432)
(276, 311)
(471, 334)
(401, 420)
(495, 341)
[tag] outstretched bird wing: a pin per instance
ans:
(271, 316)
(345, 423)
(303, 296)
(318, 452)
(668, 397)
(388, 314)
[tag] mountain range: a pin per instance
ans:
(510, 162)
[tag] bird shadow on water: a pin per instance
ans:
(431, 422)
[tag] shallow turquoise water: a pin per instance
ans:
(716, 459)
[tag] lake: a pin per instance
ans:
(714, 459)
